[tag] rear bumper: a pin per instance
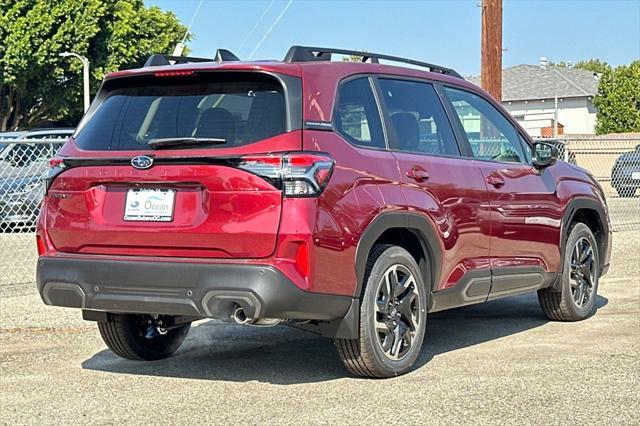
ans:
(176, 288)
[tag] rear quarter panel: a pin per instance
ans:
(364, 184)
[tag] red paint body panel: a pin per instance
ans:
(454, 198)
(226, 215)
(526, 215)
(364, 184)
(219, 212)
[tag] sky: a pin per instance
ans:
(445, 32)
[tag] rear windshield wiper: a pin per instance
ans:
(159, 143)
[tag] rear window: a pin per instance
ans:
(238, 109)
(357, 117)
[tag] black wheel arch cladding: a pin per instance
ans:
(413, 222)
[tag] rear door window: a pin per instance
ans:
(357, 117)
(235, 109)
(418, 117)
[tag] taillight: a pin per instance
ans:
(56, 166)
(298, 174)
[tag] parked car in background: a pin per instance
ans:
(348, 199)
(22, 168)
(625, 175)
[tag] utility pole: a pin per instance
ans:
(491, 72)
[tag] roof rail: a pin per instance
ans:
(311, 54)
(222, 55)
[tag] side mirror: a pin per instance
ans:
(544, 154)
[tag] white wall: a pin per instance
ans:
(577, 115)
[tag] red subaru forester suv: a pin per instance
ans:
(348, 199)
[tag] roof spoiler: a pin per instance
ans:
(222, 55)
(312, 54)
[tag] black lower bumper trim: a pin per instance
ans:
(175, 288)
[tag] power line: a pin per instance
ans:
(270, 29)
(255, 26)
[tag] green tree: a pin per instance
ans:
(561, 64)
(595, 65)
(618, 100)
(38, 86)
(352, 58)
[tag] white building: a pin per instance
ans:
(529, 91)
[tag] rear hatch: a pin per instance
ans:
(164, 164)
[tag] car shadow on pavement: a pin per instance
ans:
(284, 355)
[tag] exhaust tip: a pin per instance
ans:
(240, 317)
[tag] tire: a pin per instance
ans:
(126, 335)
(366, 356)
(563, 305)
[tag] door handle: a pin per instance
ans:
(495, 180)
(418, 174)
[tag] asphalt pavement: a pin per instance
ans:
(501, 362)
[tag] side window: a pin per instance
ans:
(528, 153)
(490, 134)
(418, 117)
(357, 118)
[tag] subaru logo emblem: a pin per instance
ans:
(142, 162)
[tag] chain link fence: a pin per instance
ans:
(614, 161)
(23, 165)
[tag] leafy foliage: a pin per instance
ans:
(352, 58)
(561, 64)
(595, 65)
(37, 86)
(618, 100)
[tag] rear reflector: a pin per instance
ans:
(40, 245)
(298, 174)
(302, 259)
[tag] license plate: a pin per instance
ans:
(635, 175)
(150, 205)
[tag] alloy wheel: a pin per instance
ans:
(582, 274)
(397, 311)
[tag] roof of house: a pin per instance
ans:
(528, 82)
